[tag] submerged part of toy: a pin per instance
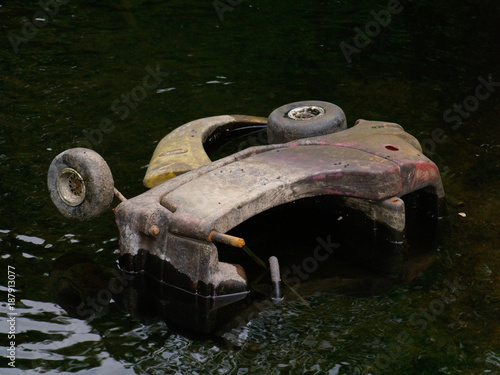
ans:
(375, 169)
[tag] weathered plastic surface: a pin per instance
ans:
(182, 149)
(372, 164)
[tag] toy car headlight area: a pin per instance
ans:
(170, 228)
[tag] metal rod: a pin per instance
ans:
(119, 195)
(261, 262)
(274, 265)
(226, 239)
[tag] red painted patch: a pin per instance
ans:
(392, 148)
(424, 172)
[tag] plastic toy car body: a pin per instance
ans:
(193, 201)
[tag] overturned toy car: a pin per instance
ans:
(194, 202)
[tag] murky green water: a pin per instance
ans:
(82, 67)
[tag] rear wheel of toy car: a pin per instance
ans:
(304, 119)
(80, 184)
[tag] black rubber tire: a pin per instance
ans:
(281, 128)
(80, 184)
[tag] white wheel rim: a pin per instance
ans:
(71, 187)
(306, 112)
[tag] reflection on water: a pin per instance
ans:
(66, 78)
(82, 288)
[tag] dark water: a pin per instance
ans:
(83, 66)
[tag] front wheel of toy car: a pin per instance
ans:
(80, 184)
(304, 119)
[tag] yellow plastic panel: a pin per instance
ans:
(182, 150)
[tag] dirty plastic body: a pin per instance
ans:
(170, 229)
(370, 165)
